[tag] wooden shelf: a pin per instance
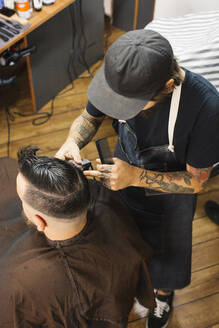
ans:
(38, 19)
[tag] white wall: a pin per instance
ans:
(173, 8)
(108, 7)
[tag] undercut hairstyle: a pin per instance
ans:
(56, 188)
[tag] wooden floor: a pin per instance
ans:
(196, 306)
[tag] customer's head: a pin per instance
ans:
(50, 188)
(139, 68)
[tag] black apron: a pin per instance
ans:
(164, 220)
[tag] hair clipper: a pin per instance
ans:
(85, 165)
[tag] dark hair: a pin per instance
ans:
(175, 75)
(57, 188)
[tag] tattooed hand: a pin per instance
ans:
(69, 150)
(116, 176)
(121, 175)
(81, 132)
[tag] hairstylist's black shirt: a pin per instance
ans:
(196, 134)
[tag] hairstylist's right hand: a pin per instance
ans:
(69, 150)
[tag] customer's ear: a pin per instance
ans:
(40, 222)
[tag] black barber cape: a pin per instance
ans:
(89, 280)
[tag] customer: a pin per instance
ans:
(85, 263)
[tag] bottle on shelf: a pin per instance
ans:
(9, 4)
(37, 5)
(48, 2)
(23, 8)
(1, 4)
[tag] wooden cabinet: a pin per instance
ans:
(67, 44)
(132, 14)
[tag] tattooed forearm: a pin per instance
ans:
(84, 128)
(190, 181)
(201, 175)
(167, 182)
(177, 176)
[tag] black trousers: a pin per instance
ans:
(165, 222)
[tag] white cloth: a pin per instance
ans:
(195, 41)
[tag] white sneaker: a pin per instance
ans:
(140, 310)
(160, 315)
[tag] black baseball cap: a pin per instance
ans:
(137, 65)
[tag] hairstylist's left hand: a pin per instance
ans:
(114, 176)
